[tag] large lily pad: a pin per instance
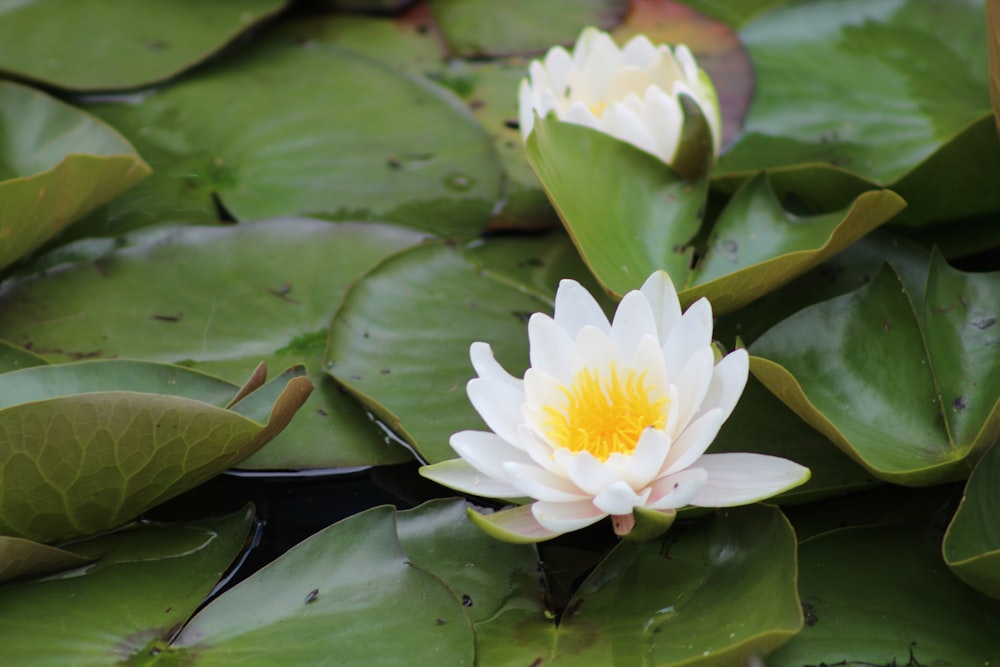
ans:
(841, 365)
(221, 299)
(347, 593)
(146, 581)
(972, 543)
(900, 605)
(14, 358)
(755, 246)
(89, 446)
(56, 164)
(24, 558)
(288, 128)
(101, 45)
(874, 87)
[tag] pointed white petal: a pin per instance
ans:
(663, 115)
(538, 483)
(739, 479)
(640, 52)
(694, 330)
(575, 308)
(686, 62)
(540, 451)
(539, 76)
(566, 517)
(486, 366)
(693, 442)
(662, 296)
(549, 347)
(579, 114)
(602, 61)
(585, 471)
(729, 378)
(648, 458)
(498, 404)
(633, 320)
(459, 475)
(677, 490)
(558, 65)
(625, 125)
(487, 452)
(631, 81)
(693, 383)
(525, 109)
(619, 498)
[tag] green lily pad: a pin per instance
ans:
(56, 164)
(972, 543)
(993, 28)
(876, 88)
(86, 447)
(100, 45)
(347, 593)
(146, 581)
(288, 128)
(21, 558)
(899, 605)
(220, 299)
(14, 358)
(840, 365)
(484, 28)
(755, 246)
(733, 12)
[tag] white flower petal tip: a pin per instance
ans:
(611, 419)
(631, 93)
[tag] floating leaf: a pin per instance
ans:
(840, 366)
(899, 606)
(972, 543)
(221, 299)
(23, 558)
(145, 582)
(875, 88)
(56, 164)
(293, 129)
(649, 224)
(993, 28)
(14, 358)
(347, 593)
(89, 446)
(485, 28)
(101, 45)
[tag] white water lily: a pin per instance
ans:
(611, 416)
(629, 93)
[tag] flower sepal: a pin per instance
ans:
(644, 524)
(515, 524)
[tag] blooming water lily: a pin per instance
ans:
(610, 417)
(633, 93)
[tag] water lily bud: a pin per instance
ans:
(653, 97)
(611, 419)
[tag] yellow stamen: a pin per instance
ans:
(605, 415)
(598, 108)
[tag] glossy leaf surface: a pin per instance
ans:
(972, 543)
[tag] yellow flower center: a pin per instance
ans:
(605, 415)
(598, 108)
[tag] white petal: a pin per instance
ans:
(539, 77)
(677, 490)
(593, 349)
(549, 347)
(487, 452)
(516, 524)
(600, 61)
(693, 383)
(633, 320)
(525, 109)
(639, 51)
(537, 483)
(729, 378)
(498, 404)
(694, 330)
(739, 479)
(693, 442)
(619, 498)
(662, 296)
(648, 358)
(585, 471)
(566, 517)
(540, 451)
(663, 115)
(629, 81)
(575, 308)
(648, 458)
(683, 57)
(486, 366)
(625, 125)
(459, 475)
(558, 64)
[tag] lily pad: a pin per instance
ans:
(87, 447)
(21, 558)
(972, 543)
(347, 592)
(484, 28)
(840, 366)
(876, 88)
(901, 607)
(101, 45)
(146, 581)
(220, 299)
(14, 358)
(288, 128)
(56, 164)
(755, 246)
